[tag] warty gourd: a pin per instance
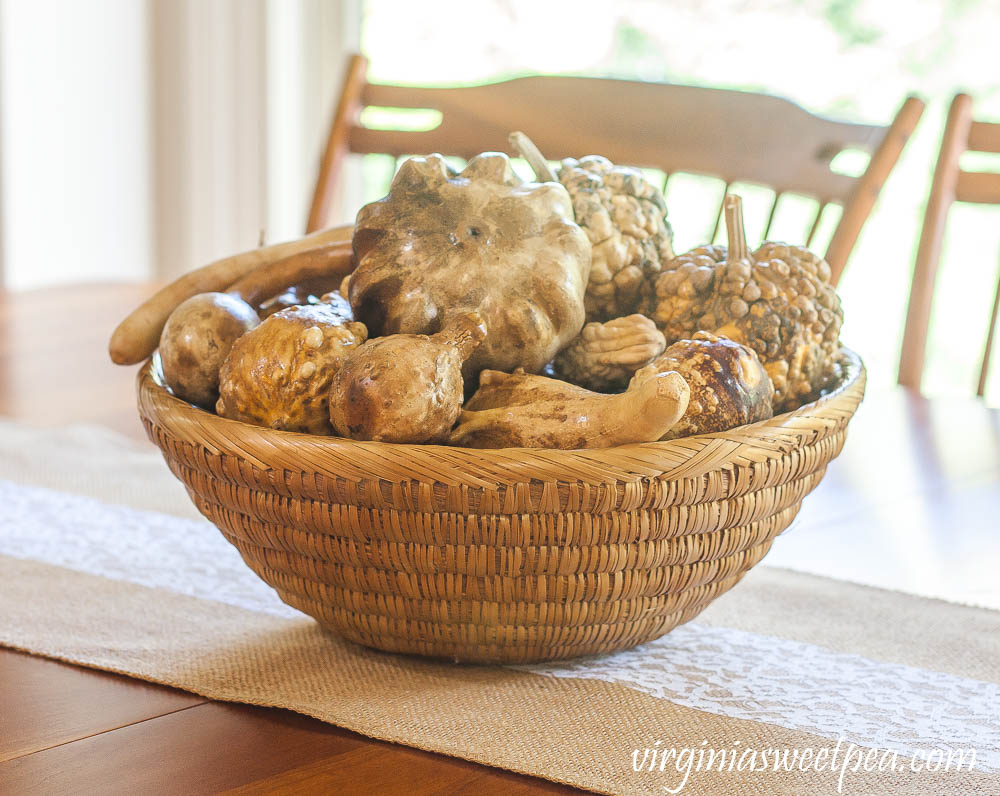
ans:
(777, 300)
(623, 214)
(278, 375)
(605, 355)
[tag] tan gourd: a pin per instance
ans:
(605, 355)
(520, 410)
(729, 386)
(278, 375)
(405, 387)
(197, 339)
(444, 243)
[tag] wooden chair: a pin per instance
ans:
(733, 135)
(950, 184)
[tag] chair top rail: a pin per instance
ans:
(732, 135)
(984, 136)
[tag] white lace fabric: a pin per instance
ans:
(805, 687)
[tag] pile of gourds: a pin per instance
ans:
(474, 308)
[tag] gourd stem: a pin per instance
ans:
(735, 231)
(526, 148)
(465, 333)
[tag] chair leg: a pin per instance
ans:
(337, 144)
(988, 350)
(866, 191)
(918, 312)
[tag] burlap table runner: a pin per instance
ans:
(788, 684)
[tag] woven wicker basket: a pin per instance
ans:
(509, 555)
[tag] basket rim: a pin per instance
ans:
(354, 459)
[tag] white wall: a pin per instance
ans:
(142, 138)
(209, 67)
(308, 43)
(75, 166)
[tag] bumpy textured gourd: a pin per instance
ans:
(777, 300)
(729, 386)
(444, 243)
(623, 214)
(521, 410)
(278, 375)
(404, 387)
(605, 355)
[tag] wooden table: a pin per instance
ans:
(910, 504)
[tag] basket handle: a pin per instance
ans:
(138, 335)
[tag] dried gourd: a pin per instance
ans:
(605, 355)
(623, 214)
(521, 410)
(195, 341)
(678, 298)
(278, 375)
(729, 386)
(404, 387)
(444, 243)
(777, 300)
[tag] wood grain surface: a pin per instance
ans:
(47, 703)
(926, 523)
(216, 748)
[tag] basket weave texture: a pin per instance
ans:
(492, 556)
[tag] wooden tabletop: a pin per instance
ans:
(910, 504)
